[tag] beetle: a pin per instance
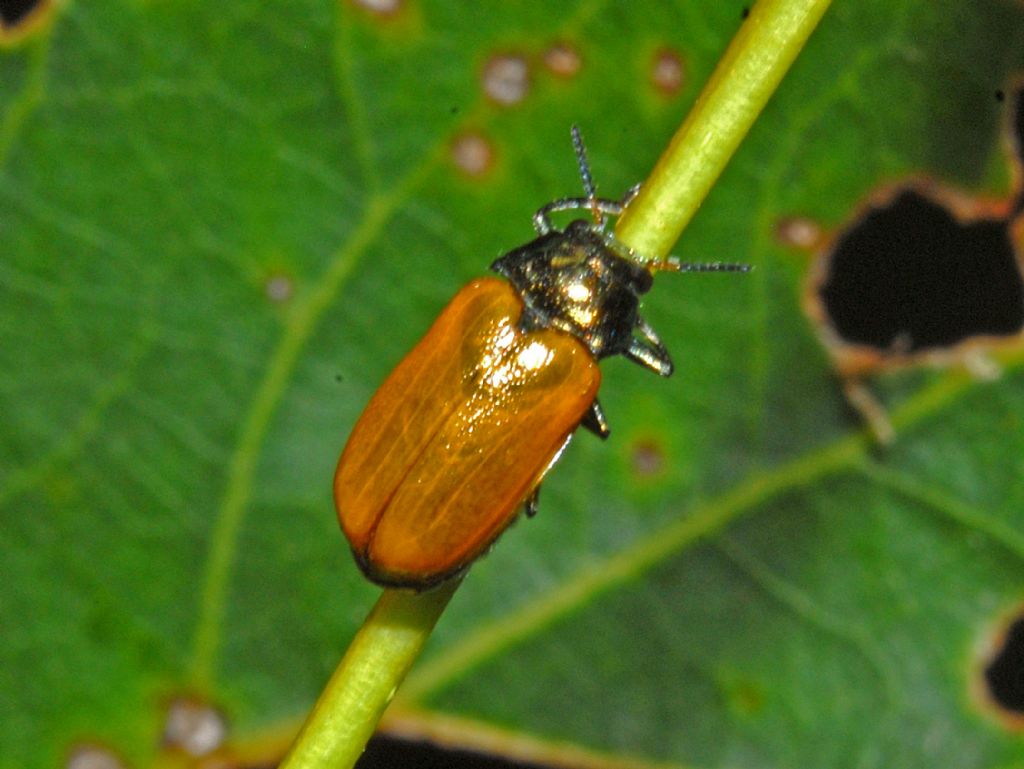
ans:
(460, 435)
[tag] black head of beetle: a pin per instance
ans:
(582, 281)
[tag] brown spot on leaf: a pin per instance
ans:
(380, 7)
(93, 756)
(745, 696)
(668, 72)
(506, 79)
(647, 457)
(799, 232)
(562, 60)
(193, 726)
(279, 288)
(473, 154)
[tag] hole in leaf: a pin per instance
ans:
(908, 277)
(385, 752)
(13, 12)
(1004, 675)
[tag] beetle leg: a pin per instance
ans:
(649, 351)
(594, 420)
(531, 502)
(631, 193)
(541, 219)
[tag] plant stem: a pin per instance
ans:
(768, 41)
(343, 719)
(385, 648)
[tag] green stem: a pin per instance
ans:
(768, 41)
(343, 719)
(385, 648)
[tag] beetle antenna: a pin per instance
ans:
(673, 264)
(588, 181)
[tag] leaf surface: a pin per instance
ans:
(221, 226)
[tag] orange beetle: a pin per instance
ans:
(461, 433)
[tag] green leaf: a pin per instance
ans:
(222, 224)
